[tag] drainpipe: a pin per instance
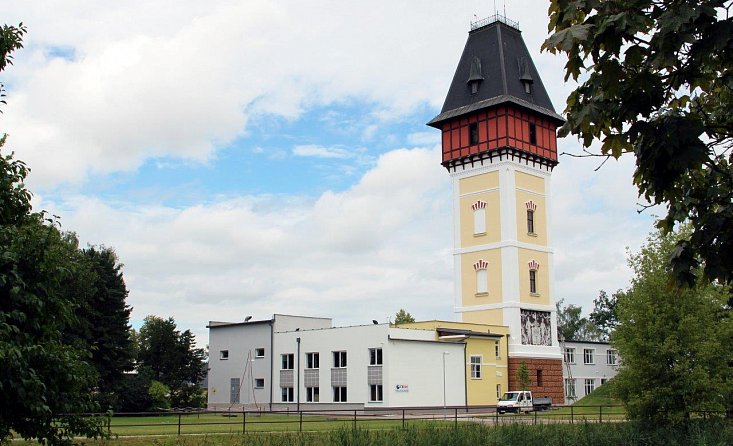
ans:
(298, 372)
(272, 357)
(465, 380)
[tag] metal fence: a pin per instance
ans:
(180, 422)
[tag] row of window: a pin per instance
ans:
(482, 278)
(589, 386)
(479, 218)
(339, 394)
(312, 359)
(473, 135)
(259, 353)
(589, 356)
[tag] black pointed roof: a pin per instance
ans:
(506, 66)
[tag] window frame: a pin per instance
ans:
(339, 359)
(530, 222)
(533, 133)
(533, 281)
(590, 383)
(611, 356)
(376, 356)
(376, 393)
(340, 394)
(313, 394)
(569, 355)
(473, 135)
(312, 359)
(570, 385)
(257, 352)
(257, 385)
(497, 349)
(223, 355)
(479, 221)
(589, 353)
(287, 361)
(476, 366)
(287, 394)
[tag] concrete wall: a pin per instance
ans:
(240, 341)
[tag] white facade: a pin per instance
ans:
(586, 366)
(411, 372)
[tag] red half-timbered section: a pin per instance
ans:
(504, 126)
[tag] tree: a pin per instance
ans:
(604, 315)
(172, 359)
(571, 326)
(523, 379)
(44, 381)
(403, 317)
(658, 83)
(676, 343)
(104, 319)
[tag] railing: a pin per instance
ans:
(494, 18)
(231, 421)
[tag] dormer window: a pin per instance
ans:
(475, 77)
(524, 75)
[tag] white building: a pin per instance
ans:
(587, 365)
(253, 365)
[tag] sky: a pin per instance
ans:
(251, 157)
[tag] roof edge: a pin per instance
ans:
(503, 99)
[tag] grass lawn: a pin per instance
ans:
(599, 404)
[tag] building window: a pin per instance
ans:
(259, 352)
(532, 133)
(603, 381)
(475, 367)
(312, 360)
(259, 383)
(588, 354)
(339, 360)
(223, 354)
(533, 281)
(482, 276)
(376, 392)
(473, 134)
(590, 385)
(375, 356)
(286, 395)
(339, 394)
(540, 381)
(569, 355)
(479, 217)
(288, 360)
(498, 391)
(569, 388)
(312, 394)
(611, 357)
(497, 349)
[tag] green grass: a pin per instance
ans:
(467, 434)
(599, 404)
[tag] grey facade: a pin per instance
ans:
(241, 360)
(587, 366)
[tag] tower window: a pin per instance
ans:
(530, 221)
(533, 281)
(479, 217)
(482, 277)
(473, 133)
(532, 133)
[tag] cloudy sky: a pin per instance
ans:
(248, 157)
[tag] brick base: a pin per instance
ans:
(551, 376)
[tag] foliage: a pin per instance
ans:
(44, 381)
(523, 379)
(571, 326)
(657, 82)
(403, 317)
(104, 320)
(604, 315)
(172, 358)
(160, 394)
(676, 344)
(132, 394)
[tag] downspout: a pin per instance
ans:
(272, 357)
(465, 380)
(298, 372)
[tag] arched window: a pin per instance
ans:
(479, 217)
(533, 267)
(531, 208)
(482, 276)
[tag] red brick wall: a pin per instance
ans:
(552, 381)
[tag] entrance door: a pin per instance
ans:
(234, 391)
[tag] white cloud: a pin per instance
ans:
(321, 152)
